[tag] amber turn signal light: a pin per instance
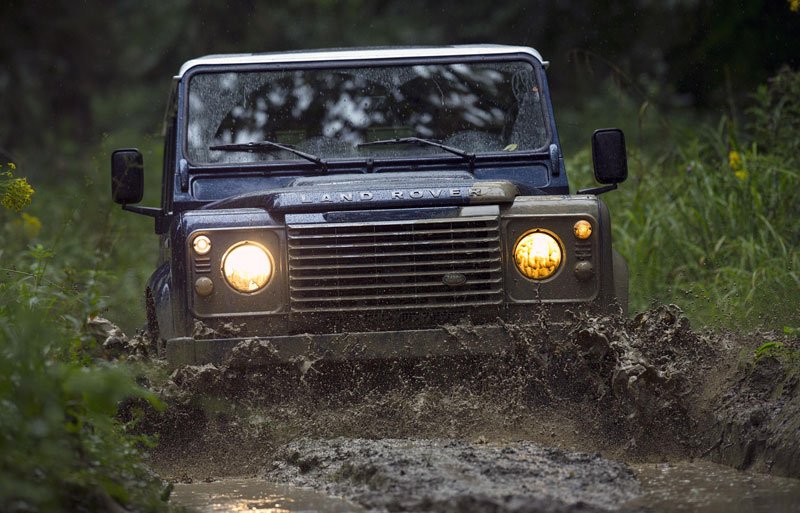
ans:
(582, 229)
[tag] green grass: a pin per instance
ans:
(711, 222)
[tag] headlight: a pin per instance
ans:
(247, 267)
(538, 255)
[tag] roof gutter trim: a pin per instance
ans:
(356, 54)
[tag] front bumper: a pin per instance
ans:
(407, 344)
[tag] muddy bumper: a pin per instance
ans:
(444, 341)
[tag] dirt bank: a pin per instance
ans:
(757, 415)
(647, 389)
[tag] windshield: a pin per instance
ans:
(476, 107)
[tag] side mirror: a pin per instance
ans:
(609, 156)
(127, 176)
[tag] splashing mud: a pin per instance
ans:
(647, 389)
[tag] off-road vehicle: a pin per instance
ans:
(358, 203)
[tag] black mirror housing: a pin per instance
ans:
(609, 156)
(127, 176)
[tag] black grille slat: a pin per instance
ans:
(465, 272)
(299, 308)
(390, 285)
(202, 265)
(485, 261)
(583, 250)
(394, 265)
(397, 253)
(390, 243)
(370, 297)
(301, 236)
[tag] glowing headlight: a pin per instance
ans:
(538, 255)
(247, 267)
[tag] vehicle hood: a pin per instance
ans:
(370, 191)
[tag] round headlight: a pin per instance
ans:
(538, 255)
(247, 267)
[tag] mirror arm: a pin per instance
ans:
(162, 220)
(145, 211)
(597, 190)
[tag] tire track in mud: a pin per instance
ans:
(453, 475)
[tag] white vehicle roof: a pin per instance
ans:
(356, 54)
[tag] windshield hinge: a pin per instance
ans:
(183, 174)
(555, 159)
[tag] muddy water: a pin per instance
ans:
(387, 437)
(698, 486)
(255, 496)
(706, 487)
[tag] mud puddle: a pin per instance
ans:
(255, 496)
(698, 486)
(706, 487)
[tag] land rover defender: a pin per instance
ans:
(359, 203)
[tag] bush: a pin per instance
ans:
(62, 447)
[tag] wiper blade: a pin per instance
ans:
(424, 142)
(264, 146)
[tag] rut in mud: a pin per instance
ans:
(453, 475)
(642, 389)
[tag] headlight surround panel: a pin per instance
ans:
(562, 285)
(225, 300)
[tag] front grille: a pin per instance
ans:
(394, 265)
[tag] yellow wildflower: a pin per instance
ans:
(736, 163)
(794, 5)
(16, 194)
(31, 225)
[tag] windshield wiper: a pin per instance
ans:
(263, 146)
(470, 157)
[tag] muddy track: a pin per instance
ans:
(647, 389)
(452, 475)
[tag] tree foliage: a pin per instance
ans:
(74, 70)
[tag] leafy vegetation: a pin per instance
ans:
(62, 446)
(767, 349)
(710, 222)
